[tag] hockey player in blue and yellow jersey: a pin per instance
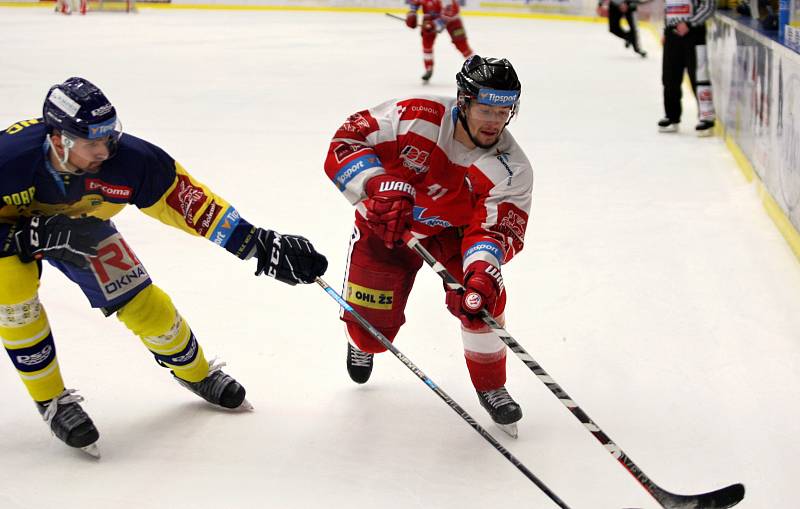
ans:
(62, 177)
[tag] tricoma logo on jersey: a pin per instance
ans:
(108, 190)
(497, 97)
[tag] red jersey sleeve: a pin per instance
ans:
(502, 186)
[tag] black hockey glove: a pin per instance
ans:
(288, 258)
(58, 237)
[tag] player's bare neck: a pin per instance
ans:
(462, 137)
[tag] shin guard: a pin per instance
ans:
(25, 330)
(152, 316)
(705, 99)
(485, 354)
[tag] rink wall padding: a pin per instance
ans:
(559, 9)
(757, 95)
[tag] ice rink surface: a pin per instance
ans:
(653, 287)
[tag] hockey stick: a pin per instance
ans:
(719, 499)
(439, 28)
(375, 333)
(395, 16)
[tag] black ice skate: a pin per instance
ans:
(69, 422)
(704, 128)
(218, 388)
(505, 412)
(666, 125)
(634, 41)
(359, 364)
(427, 76)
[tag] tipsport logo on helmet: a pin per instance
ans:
(102, 129)
(493, 97)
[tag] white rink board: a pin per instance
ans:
(653, 288)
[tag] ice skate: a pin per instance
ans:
(666, 125)
(704, 128)
(427, 76)
(218, 388)
(359, 364)
(505, 412)
(636, 47)
(69, 422)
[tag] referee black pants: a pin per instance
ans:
(680, 55)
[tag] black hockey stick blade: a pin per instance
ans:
(719, 499)
(722, 498)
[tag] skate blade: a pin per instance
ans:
(92, 450)
(246, 406)
(705, 133)
(669, 129)
(509, 429)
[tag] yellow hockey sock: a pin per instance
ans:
(152, 316)
(25, 330)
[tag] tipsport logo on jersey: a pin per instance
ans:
(482, 248)
(353, 168)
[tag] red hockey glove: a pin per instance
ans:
(411, 19)
(389, 207)
(483, 285)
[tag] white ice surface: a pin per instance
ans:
(653, 287)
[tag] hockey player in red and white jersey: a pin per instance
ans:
(70, 6)
(449, 172)
(437, 15)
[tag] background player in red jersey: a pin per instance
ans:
(61, 178)
(448, 171)
(437, 15)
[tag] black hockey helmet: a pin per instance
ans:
(80, 109)
(489, 81)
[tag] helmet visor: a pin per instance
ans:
(108, 133)
(485, 113)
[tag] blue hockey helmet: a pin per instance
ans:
(80, 109)
(489, 81)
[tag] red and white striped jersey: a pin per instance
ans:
(487, 192)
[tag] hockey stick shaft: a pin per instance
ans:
(395, 16)
(375, 333)
(439, 28)
(726, 497)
